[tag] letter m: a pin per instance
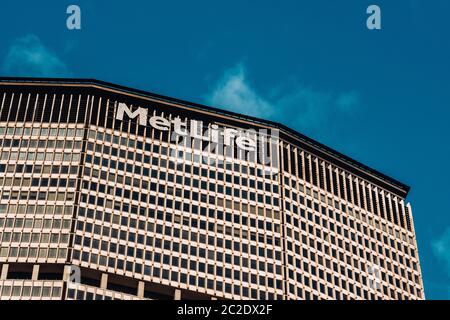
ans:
(123, 108)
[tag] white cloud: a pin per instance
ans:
(233, 92)
(27, 56)
(300, 107)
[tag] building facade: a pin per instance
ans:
(107, 192)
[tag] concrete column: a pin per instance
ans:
(177, 295)
(35, 274)
(104, 281)
(140, 291)
(4, 274)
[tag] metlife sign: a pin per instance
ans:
(251, 144)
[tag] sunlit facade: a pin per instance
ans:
(145, 216)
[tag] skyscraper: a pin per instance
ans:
(108, 192)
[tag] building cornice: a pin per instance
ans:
(295, 137)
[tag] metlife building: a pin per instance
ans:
(108, 192)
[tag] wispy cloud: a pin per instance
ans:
(441, 248)
(28, 56)
(235, 93)
(298, 106)
(347, 101)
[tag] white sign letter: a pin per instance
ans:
(123, 108)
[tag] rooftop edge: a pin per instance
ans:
(402, 189)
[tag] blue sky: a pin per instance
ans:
(379, 96)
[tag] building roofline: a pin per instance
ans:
(401, 188)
